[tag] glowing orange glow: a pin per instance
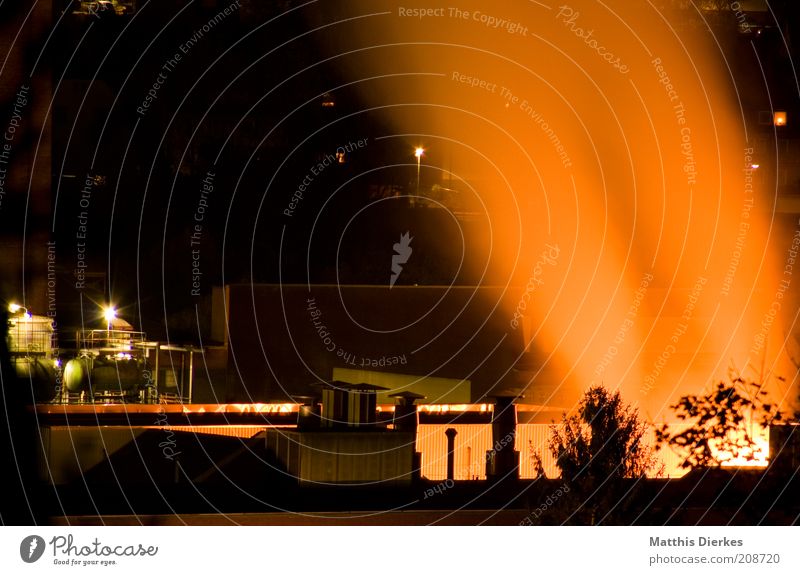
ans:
(242, 431)
(255, 408)
(187, 408)
(620, 211)
(241, 408)
(779, 118)
(758, 457)
(455, 407)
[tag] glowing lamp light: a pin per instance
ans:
(779, 118)
(16, 308)
(109, 313)
(418, 153)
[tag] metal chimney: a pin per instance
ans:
(334, 404)
(502, 460)
(406, 419)
(451, 433)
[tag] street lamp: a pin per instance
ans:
(16, 308)
(109, 314)
(418, 153)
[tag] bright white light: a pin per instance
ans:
(109, 313)
(418, 152)
(16, 308)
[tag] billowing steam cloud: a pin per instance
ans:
(614, 131)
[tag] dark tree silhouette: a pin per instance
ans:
(604, 440)
(601, 452)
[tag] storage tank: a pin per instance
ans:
(30, 345)
(111, 373)
(76, 374)
(104, 373)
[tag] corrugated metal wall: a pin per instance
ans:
(473, 441)
(243, 431)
